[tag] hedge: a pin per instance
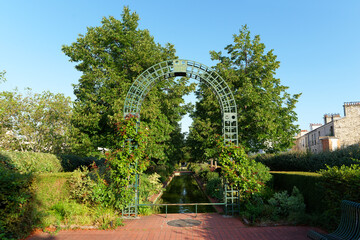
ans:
(306, 182)
(33, 162)
(308, 162)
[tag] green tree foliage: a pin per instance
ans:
(110, 58)
(34, 122)
(265, 110)
(2, 76)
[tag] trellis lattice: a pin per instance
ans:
(190, 69)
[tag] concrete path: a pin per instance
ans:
(213, 226)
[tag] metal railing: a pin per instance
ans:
(183, 204)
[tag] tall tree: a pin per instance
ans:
(265, 109)
(110, 58)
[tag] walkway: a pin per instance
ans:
(213, 226)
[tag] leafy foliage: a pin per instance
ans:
(16, 205)
(266, 113)
(214, 186)
(110, 58)
(288, 206)
(2, 76)
(337, 184)
(34, 122)
(115, 186)
(247, 175)
(305, 161)
(30, 162)
(306, 182)
(81, 185)
(279, 208)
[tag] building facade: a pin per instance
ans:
(336, 132)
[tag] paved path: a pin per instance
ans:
(213, 226)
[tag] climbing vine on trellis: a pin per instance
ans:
(246, 174)
(124, 163)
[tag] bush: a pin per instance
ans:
(306, 182)
(81, 185)
(291, 208)
(16, 203)
(214, 188)
(280, 208)
(308, 162)
(246, 174)
(200, 169)
(149, 185)
(72, 162)
(337, 184)
(30, 162)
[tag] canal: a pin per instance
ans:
(184, 189)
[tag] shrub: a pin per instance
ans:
(81, 185)
(246, 174)
(72, 162)
(306, 182)
(149, 185)
(214, 188)
(337, 184)
(288, 207)
(16, 206)
(308, 162)
(279, 208)
(30, 162)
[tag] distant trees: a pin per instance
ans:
(34, 122)
(266, 113)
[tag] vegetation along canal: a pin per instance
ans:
(184, 189)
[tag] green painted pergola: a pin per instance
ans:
(190, 69)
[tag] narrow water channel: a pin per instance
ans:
(184, 189)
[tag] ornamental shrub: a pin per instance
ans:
(288, 207)
(81, 185)
(246, 174)
(337, 184)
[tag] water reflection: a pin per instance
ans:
(184, 189)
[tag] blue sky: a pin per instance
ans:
(317, 42)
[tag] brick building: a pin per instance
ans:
(336, 132)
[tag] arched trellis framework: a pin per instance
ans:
(190, 69)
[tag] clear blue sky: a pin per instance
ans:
(317, 41)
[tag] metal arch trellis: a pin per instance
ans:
(191, 69)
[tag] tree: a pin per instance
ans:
(2, 76)
(110, 58)
(34, 122)
(265, 110)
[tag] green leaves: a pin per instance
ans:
(246, 174)
(35, 122)
(265, 110)
(110, 57)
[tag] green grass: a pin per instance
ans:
(55, 207)
(297, 173)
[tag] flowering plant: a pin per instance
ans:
(240, 171)
(124, 163)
